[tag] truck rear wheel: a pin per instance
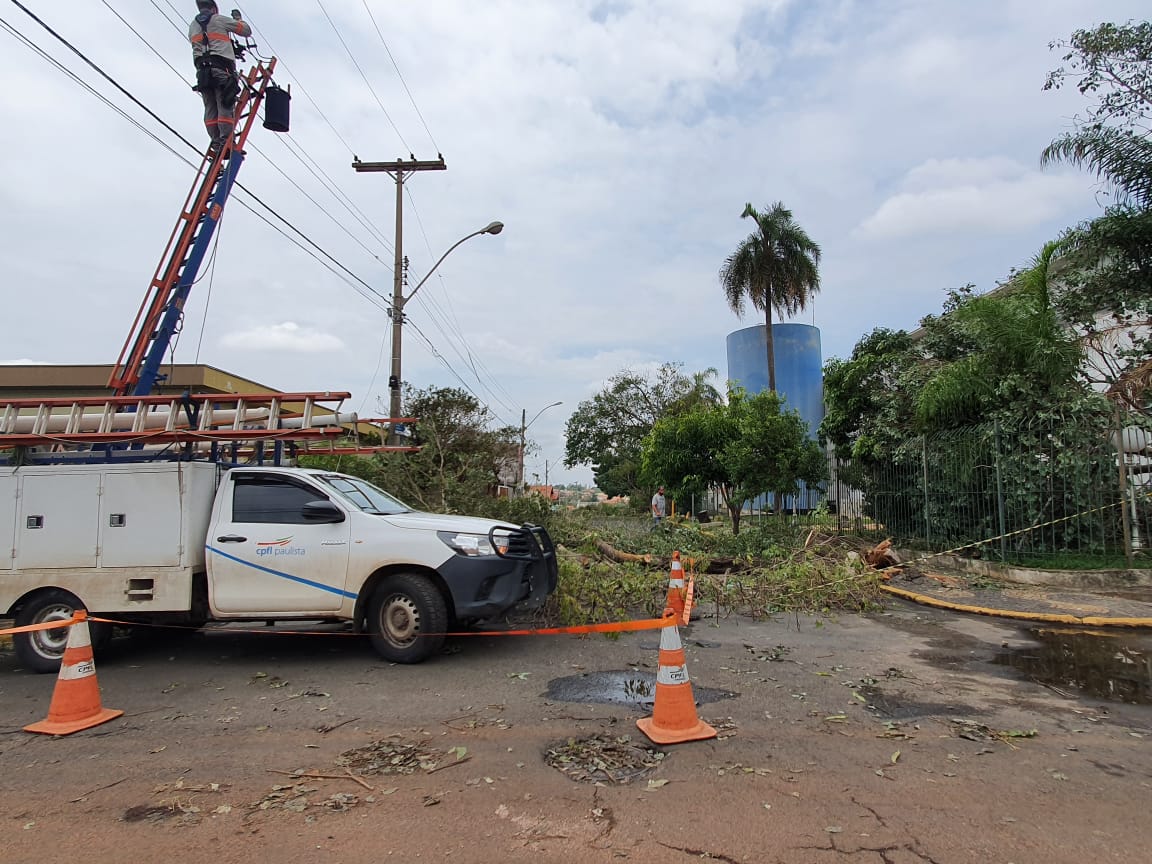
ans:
(42, 650)
(407, 618)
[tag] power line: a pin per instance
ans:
(81, 82)
(169, 20)
(152, 48)
(400, 75)
(116, 108)
(188, 143)
(316, 203)
(268, 158)
(371, 89)
(455, 374)
(325, 179)
(307, 95)
(433, 307)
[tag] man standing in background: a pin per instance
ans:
(659, 507)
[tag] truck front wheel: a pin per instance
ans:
(42, 650)
(407, 618)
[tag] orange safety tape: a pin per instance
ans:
(47, 625)
(576, 629)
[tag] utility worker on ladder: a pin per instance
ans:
(216, 77)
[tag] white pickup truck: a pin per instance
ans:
(188, 542)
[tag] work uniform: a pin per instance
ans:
(216, 76)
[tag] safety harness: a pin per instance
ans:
(208, 61)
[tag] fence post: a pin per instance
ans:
(927, 517)
(1000, 493)
(1121, 464)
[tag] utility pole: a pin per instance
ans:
(520, 463)
(524, 441)
(399, 171)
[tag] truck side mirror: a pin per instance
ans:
(322, 511)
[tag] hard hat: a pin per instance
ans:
(206, 4)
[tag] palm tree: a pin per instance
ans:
(776, 267)
(1121, 158)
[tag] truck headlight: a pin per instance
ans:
(469, 545)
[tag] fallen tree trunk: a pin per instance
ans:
(622, 557)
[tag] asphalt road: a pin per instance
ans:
(891, 738)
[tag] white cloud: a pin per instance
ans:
(287, 336)
(972, 196)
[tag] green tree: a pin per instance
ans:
(1112, 64)
(1019, 350)
(745, 448)
(460, 458)
(1104, 291)
(935, 407)
(1104, 287)
(865, 406)
(775, 267)
(606, 431)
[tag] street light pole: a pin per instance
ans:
(523, 441)
(398, 303)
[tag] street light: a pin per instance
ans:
(523, 442)
(398, 303)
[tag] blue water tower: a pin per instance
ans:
(799, 375)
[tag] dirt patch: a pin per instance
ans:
(393, 755)
(601, 759)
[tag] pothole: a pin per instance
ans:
(620, 688)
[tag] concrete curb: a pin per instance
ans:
(1042, 617)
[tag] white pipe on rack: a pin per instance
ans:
(122, 421)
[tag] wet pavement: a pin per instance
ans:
(1112, 666)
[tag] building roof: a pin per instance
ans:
(36, 380)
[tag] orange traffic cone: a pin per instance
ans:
(674, 717)
(76, 699)
(675, 598)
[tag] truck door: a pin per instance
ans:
(265, 556)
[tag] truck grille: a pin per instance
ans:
(528, 542)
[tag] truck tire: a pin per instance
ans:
(407, 618)
(42, 650)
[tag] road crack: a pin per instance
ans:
(701, 853)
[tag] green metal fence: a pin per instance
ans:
(1031, 497)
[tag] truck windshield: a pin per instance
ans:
(364, 496)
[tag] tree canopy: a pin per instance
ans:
(1111, 64)
(746, 448)
(606, 431)
(460, 460)
(1104, 285)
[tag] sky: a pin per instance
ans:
(618, 141)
